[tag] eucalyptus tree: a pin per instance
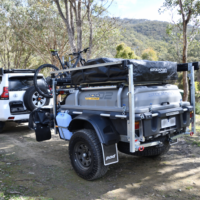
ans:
(189, 12)
(78, 14)
(30, 28)
(14, 53)
(37, 24)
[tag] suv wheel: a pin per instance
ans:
(2, 124)
(86, 155)
(32, 99)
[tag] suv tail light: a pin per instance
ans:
(191, 114)
(5, 93)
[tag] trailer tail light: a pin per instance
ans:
(137, 125)
(62, 92)
(5, 93)
(191, 114)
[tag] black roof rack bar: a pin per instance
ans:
(180, 67)
(184, 66)
(2, 71)
(88, 67)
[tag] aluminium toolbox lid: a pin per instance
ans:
(144, 71)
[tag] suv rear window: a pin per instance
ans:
(21, 83)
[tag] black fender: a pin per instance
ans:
(104, 129)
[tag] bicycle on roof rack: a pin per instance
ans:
(45, 89)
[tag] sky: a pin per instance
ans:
(139, 9)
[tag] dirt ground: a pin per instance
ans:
(41, 171)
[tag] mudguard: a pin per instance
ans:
(105, 131)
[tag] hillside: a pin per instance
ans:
(140, 34)
(153, 29)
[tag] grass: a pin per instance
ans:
(196, 143)
(189, 188)
(17, 197)
(197, 123)
(198, 117)
(195, 139)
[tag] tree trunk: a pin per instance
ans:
(91, 32)
(72, 20)
(184, 60)
(79, 27)
(70, 30)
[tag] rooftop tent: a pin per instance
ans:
(144, 71)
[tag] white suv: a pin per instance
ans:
(18, 96)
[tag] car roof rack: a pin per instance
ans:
(6, 71)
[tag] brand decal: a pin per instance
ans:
(99, 95)
(159, 70)
(172, 113)
(91, 98)
(94, 95)
(110, 157)
(156, 94)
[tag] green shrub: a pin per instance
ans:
(197, 110)
(149, 54)
(124, 51)
(197, 87)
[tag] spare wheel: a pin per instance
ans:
(32, 99)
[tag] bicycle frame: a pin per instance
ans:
(78, 59)
(63, 67)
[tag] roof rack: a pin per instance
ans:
(6, 71)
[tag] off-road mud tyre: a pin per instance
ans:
(28, 99)
(149, 151)
(91, 166)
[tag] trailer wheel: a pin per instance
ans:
(148, 152)
(86, 155)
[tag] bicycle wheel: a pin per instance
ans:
(43, 86)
